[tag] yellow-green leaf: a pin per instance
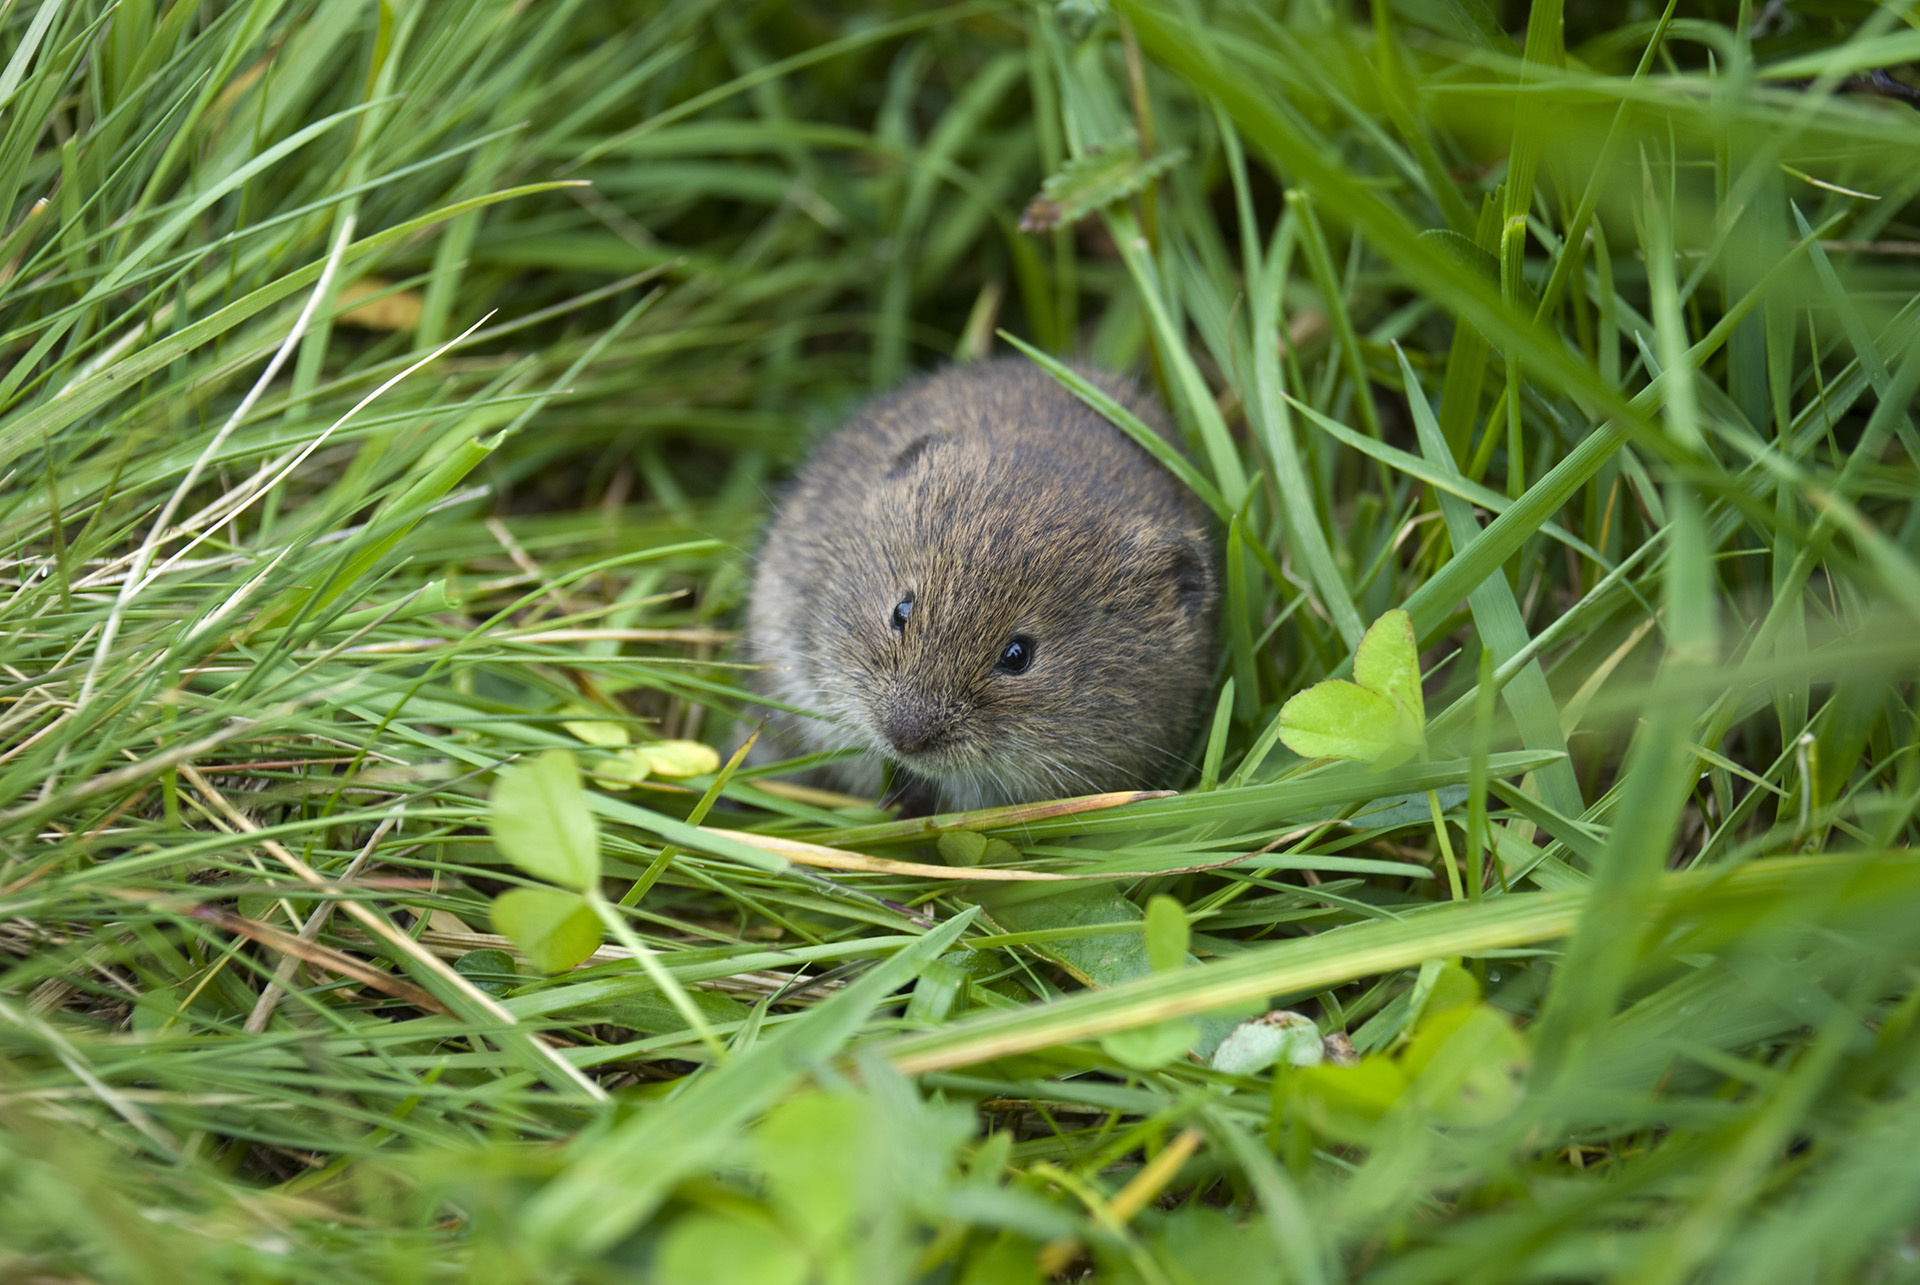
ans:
(1167, 934)
(1143, 1048)
(1466, 1064)
(1379, 718)
(962, 847)
(728, 1244)
(554, 930)
(539, 818)
(621, 771)
(967, 848)
(680, 758)
(593, 730)
(1388, 662)
(1345, 1102)
(1443, 985)
(1337, 719)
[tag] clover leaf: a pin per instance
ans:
(540, 821)
(555, 930)
(1379, 718)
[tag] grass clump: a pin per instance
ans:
(392, 394)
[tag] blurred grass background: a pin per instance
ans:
(391, 389)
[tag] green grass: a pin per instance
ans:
(388, 386)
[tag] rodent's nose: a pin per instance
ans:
(913, 728)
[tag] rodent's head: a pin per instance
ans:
(1009, 630)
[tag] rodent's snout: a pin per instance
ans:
(913, 726)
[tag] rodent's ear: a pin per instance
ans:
(911, 453)
(1186, 564)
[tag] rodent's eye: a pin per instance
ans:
(901, 610)
(1015, 656)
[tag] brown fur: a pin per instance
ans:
(1005, 507)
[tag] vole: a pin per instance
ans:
(982, 580)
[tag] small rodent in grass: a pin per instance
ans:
(982, 580)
